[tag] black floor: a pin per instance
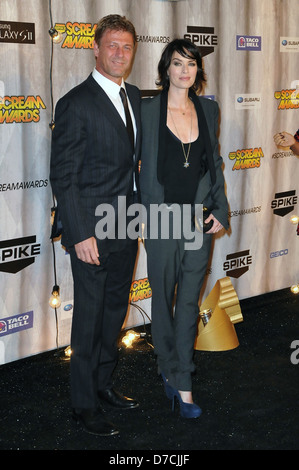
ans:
(249, 395)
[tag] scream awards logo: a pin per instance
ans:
(203, 37)
(15, 32)
(18, 253)
(77, 35)
(20, 109)
(237, 264)
(284, 203)
(140, 290)
(288, 99)
(246, 158)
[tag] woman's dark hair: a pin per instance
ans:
(186, 49)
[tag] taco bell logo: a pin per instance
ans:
(248, 43)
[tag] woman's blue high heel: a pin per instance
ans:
(187, 410)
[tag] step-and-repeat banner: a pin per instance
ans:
(250, 50)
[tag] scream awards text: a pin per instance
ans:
(174, 221)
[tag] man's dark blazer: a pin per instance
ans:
(91, 159)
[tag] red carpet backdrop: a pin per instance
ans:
(250, 50)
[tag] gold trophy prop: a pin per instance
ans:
(220, 310)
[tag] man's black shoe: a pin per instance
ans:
(94, 422)
(115, 399)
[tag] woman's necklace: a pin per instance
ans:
(186, 155)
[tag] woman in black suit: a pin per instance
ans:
(180, 165)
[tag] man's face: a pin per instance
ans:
(114, 54)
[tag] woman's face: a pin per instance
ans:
(114, 54)
(182, 71)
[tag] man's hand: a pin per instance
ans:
(87, 251)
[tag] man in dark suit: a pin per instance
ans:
(93, 162)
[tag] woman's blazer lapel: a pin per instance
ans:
(151, 189)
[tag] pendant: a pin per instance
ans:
(186, 164)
